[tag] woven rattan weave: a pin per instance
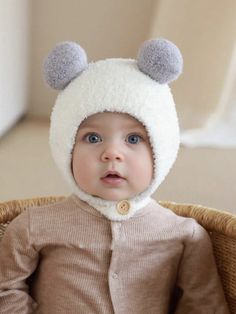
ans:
(220, 225)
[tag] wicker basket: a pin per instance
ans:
(220, 225)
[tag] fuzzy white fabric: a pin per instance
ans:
(116, 85)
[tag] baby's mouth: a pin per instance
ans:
(112, 177)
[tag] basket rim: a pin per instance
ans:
(214, 220)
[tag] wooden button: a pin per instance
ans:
(123, 207)
(114, 275)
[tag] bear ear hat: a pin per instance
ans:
(65, 62)
(158, 58)
(161, 60)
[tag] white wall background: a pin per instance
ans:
(15, 43)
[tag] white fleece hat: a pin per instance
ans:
(136, 87)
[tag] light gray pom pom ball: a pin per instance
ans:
(161, 60)
(65, 62)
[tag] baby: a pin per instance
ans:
(109, 247)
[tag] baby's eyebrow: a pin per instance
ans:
(134, 126)
(88, 126)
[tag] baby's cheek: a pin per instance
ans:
(82, 180)
(145, 170)
(84, 173)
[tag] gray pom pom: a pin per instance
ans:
(65, 62)
(160, 59)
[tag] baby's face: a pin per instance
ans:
(112, 157)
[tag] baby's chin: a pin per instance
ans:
(111, 195)
(115, 198)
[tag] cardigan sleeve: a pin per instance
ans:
(198, 279)
(18, 260)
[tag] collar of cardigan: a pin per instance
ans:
(116, 211)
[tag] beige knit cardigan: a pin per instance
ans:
(68, 258)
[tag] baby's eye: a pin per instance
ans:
(133, 139)
(93, 138)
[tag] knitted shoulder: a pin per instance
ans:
(55, 205)
(38, 214)
(44, 219)
(172, 218)
(19, 223)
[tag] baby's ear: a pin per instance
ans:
(161, 60)
(65, 62)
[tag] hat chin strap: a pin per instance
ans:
(115, 210)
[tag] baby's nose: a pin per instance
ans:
(111, 153)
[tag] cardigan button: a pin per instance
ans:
(123, 207)
(114, 275)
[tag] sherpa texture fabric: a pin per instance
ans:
(116, 85)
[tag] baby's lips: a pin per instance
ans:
(113, 179)
(114, 174)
